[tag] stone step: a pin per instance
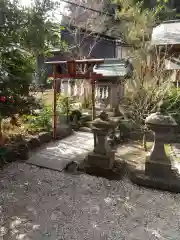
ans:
(56, 155)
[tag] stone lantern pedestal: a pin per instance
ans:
(158, 162)
(159, 172)
(103, 156)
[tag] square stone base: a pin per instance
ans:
(101, 161)
(158, 169)
(116, 173)
(167, 184)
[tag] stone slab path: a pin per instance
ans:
(56, 155)
(176, 149)
(41, 204)
(175, 153)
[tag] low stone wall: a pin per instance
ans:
(13, 151)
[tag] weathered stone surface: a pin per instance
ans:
(45, 137)
(158, 163)
(56, 155)
(63, 130)
(22, 151)
(101, 161)
(33, 142)
(114, 172)
(158, 171)
(17, 151)
(11, 154)
(102, 155)
(85, 129)
(171, 184)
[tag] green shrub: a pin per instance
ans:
(63, 104)
(87, 102)
(15, 76)
(76, 113)
(42, 122)
(171, 104)
(68, 106)
(126, 127)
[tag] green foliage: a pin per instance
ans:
(75, 113)
(67, 106)
(63, 104)
(136, 21)
(126, 127)
(12, 19)
(42, 122)
(142, 97)
(87, 102)
(25, 33)
(40, 34)
(30, 27)
(171, 104)
(15, 76)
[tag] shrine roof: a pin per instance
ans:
(167, 32)
(114, 67)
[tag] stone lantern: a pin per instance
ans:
(103, 156)
(159, 172)
(158, 163)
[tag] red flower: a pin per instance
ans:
(3, 99)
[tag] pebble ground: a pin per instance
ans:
(39, 204)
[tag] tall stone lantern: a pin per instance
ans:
(103, 156)
(159, 172)
(158, 163)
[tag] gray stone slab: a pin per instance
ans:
(56, 155)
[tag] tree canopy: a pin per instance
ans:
(135, 19)
(25, 33)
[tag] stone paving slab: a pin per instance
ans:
(175, 153)
(56, 155)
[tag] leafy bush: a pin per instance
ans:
(15, 76)
(67, 105)
(42, 122)
(87, 102)
(76, 113)
(142, 99)
(171, 104)
(63, 104)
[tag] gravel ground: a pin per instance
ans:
(41, 204)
